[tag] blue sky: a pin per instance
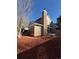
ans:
(53, 8)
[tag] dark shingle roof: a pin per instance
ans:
(38, 20)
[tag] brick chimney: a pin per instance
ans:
(44, 22)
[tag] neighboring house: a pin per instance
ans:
(25, 31)
(41, 26)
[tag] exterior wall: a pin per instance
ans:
(48, 20)
(31, 31)
(37, 30)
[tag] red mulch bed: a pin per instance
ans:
(27, 42)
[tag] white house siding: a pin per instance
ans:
(37, 30)
(48, 20)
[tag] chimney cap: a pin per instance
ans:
(44, 9)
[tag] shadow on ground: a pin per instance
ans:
(48, 50)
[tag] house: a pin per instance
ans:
(42, 26)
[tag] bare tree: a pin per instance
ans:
(23, 11)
